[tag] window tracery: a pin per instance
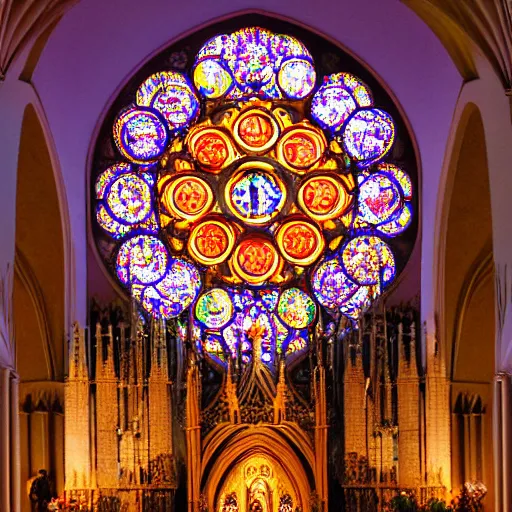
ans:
(253, 195)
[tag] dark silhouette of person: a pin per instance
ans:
(41, 491)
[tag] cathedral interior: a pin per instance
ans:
(256, 259)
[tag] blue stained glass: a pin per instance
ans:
(358, 90)
(331, 286)
(297, 78)
(256, 196)
(298, 343)
(171, 94)
(109, 224)
(140, 135)
(269, 299)
(331, 107)
(258, 61)
(368, 260)
(108, 176)
(400, 176)
(282, 333)
(173, 293)
(129, 199)
(212, 79)
(214, 308)
(368, 136)
(358, 303)
(379, 199)
(399, 223)
(142, 259)
(234, 334)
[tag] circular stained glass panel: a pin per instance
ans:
(296, 308)
(142, 259)
(300, 242)
(255, 196)
(140, 135)
(297, 78)
(379, 199)
(255, 259)
(210, 149)
(399, 224)
(211, 242)
(256, 131)
(301, 148)
(211, 79)
(331, 285)
(368, 260)
(323, 197)
(253, 65)
(214, 309)
(359, 90)
(129, 199)
(331, 107)
(369, 135)
(356, 304)
(188, 197)
(401, 177)
(170, 93)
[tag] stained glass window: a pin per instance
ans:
(253, 196)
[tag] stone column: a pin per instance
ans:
(502, 422)
(15, 445)
(5, 450)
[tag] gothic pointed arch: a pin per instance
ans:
(467, 320)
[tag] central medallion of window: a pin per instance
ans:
(255, 195)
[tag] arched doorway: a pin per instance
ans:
(468, 313)
(262, 469)
(39, 309)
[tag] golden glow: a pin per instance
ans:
(187, 197)
(256, 131)
(323, 197)
(255, 259)
(211, 241)
(300, 242)
(263, 479)
(300, 148)
(212, 148)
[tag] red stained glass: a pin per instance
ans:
(211, 240)
(299, 241)
(190, 196)
(300, 151)
(255, 131)
(211, 151)
(256, 256)
(320, 196)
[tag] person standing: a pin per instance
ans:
(40, 491)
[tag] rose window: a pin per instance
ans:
(250, 197)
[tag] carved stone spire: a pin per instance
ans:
(280, 400)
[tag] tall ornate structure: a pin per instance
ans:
(122, 448)
(77, 418)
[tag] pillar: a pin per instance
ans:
(25, 460)
(5, 450)
(502, 422)
(39, 441)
